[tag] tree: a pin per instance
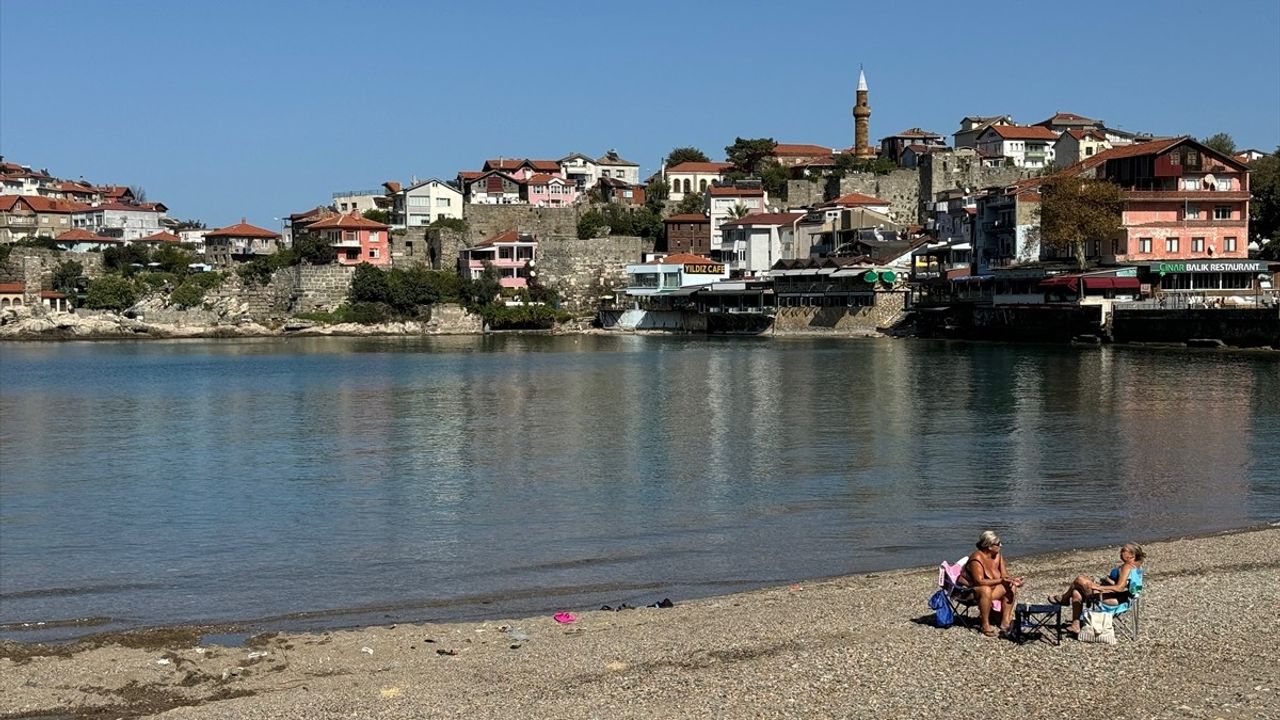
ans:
(747, 154)
(655, 194)
(1264, 211)
(66, 277)
(773, 178)
(590, 224)
(378, 215)
(173, 259)
(139, 193)
(1075, 211)
(738, 211)
(686, 154)
(111, 292)
(848, 163)
(1222, 142)
(693, 202)
(313, 248)
(369, 284)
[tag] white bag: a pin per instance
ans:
(1099, 627)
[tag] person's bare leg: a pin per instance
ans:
(983, 594)
(1008, 596)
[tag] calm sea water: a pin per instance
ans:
(328, 482)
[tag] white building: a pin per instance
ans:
(1030, 147)
(582, 170)
(673, 276)
(725, 203)
(426, 202)
(127, 222)
(358, 201)
(694, 177)
(754, 243)
(612, 166)
(194, 238)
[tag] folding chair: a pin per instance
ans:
(964, 604)
(1126, 615)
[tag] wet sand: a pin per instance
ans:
(856, 646)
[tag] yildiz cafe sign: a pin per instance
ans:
(704, 268)
(1210, 266)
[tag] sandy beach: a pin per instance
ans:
(855, 647)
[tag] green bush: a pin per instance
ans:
(259, 270)
(111, 292)
(449, 224)
(206, 280)
(157, 280)
(187, 295)
(520, 317)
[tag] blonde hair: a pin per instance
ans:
(1138, 553)
(987, 539)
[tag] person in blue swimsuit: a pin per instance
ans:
(1113, 589)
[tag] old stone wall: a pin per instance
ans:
(318, 287)
(585, 270)
(837, 320)
(486, 221)
(410, 247)
(11, 270)
(449, 319)
(961, 169)
(901, 188)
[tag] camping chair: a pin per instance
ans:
(1126, 615)
(964, 604)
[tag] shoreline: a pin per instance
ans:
(819, 647)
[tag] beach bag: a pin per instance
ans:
(942, 615)
(1098, 627)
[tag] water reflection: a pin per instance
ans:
(424, 478)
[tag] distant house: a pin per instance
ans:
(360, 201)
(791, 155)
(729, 202)
(491, 187)
(614, 167)
(81, 240)
(694, 177)
(522, 168)
(544, 190)
(892, 146)
(912, 154)
(356, 238)
(581, 169)
(164, 237)
(126, 221)
(32, 216)
(689, 233)
(971, 126)
(754, 243)
(512, 254)
(1249, 155)
(296, 224)
(229, 245)
(1022, 146)
(426, 202)
(1064, 121)
(857, 200)
(1076, 145)
(620, 191)
(16, 294)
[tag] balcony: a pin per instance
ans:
(346, 243)
(22, 221)
(1206, 196)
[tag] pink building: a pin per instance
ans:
(546, 190)
(1183, 201)
(522, 169)
(357, 239)
(512, 254)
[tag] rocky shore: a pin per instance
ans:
(858, 646)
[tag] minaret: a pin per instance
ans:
(862, 121)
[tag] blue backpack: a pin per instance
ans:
(942, 615)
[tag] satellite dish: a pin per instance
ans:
(1210, 180)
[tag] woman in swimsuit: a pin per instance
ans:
(1113, 589)
(989, 578)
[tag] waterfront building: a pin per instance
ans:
(1007, 226)
(893, 146)
(729, 202)
(688, 233)
(512, 254)
(356, 239)
(13, 295)
(847, 282)
(817, 233)
(675, 277)
(694, 177)
(297, 223)
(226, 246)
(752, 244)
(425, 202)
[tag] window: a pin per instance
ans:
(443, 202)
(1088, 150)
(1229, 244)
(671, 279)
(688, 185)
(1171, 245)
(1175, 159)
(1197, 244)
(373, 236)
(1192, 212)
(702, 185)
(1144, 245)
(1222, 212)
(373, 252)
(1191, 183)
(415, 201)
(1097, 248)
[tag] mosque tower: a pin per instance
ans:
(862, 121)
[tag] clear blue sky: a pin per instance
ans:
(259, 109)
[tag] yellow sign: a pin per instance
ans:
(704, 269)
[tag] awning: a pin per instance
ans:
(1092, 282)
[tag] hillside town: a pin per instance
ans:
(991, 227)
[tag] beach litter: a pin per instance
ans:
(366, 650)
(164, 661)
(564, 618)
(257, 654)
(442, 651)
(390, 692)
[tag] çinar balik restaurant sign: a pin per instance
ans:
(704, 268)
(1206, 266)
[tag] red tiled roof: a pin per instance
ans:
(241, 229)
(472, 174)
(680, 259)
(349, 221)
(783, 218)
(515, 163)
(730, 191)
(915, 132)
(75, 187)
(82, 235)
(1064, 118)
(1020, 132)
(857, 199)
(825, 161)
(41, 204)
(162, 236)
(714, 168)
(543, 179)
(142, 207)
(10, 288)
(1079, 134)
(392, 186)
(688, 218)
(315, 212)
(799, 150)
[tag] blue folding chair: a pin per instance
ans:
(1127, 615)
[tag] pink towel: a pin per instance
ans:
(564, 617)
(949, 573)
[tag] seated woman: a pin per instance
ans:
(988, 576)
(1112, 589)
